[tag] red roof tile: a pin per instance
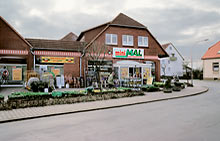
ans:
(212, 52)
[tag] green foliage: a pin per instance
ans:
(150, 88)
(1, 97)
(159, 84)
(74, 93)
(168, 84)
(57, 94)
(34, 86)
(38, 86)
(28, 95)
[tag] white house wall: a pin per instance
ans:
(172, 67)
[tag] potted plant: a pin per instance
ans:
(167, 87)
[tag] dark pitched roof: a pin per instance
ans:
(124, 20)
(43, 44)
(120, 20)
(69, 37)
(213, 52)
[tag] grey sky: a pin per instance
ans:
(184, 23)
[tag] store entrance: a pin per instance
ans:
(132, 74)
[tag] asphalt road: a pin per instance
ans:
(194, 118)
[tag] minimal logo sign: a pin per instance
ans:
(128, 53)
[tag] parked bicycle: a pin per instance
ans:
(4, 74)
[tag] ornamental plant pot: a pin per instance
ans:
(167, 90)
(177, 88)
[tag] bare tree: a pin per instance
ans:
(163, 66)
(96, 52)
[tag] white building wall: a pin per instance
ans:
(208, 72)
(172, 67)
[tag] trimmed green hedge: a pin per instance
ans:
(27, 95)
(159, 84)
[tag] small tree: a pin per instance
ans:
(96, 52)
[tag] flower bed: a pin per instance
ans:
(34, 99)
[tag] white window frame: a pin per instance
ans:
(128, 42)
(215, 66)
(111, 39)
(141, 42)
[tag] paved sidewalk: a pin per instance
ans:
(37, 112)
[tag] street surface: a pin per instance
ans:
(195, 118)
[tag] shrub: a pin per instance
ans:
(159, 84)
(150, 88)
(28, 95)
(34, 86)
(1, 97)
(168, 84)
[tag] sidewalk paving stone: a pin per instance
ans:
(37, 112)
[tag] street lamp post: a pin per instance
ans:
(192, 60)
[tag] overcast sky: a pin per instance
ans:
(185, 23)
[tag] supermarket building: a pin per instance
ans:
(133, 52)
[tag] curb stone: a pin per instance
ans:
(205, 89)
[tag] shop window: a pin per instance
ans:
(127, 40)
(135, 72)
(111, 39)
(215, 66)
(142, 41)
(116, 72)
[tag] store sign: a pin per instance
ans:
(57, 59)
(128, 53)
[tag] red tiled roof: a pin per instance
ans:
(212, 52)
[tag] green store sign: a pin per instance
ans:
(128, 53)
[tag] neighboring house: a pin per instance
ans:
(172, 65)
(211, 61)
(130, 46)
(69, 37)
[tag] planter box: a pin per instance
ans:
(167, 90)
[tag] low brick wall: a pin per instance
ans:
(24, 103)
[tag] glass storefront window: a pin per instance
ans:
(135, 72)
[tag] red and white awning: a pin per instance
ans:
(57, 53)
(14, 52)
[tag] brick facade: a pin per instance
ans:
(12, 40)
(154, 48)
